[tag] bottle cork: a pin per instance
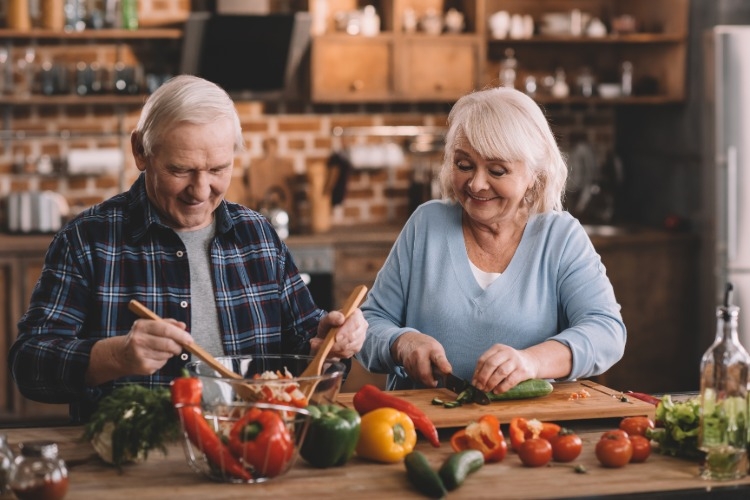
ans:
(18, 15)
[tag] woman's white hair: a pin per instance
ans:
(186, 99)
(504, 123)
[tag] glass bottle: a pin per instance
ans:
(38, 473)
(723, 398)
(627, 78)
(6, 465)
(508, 69)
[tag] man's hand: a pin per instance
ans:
(350, 337)
(144, 350)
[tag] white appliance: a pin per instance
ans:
(728, 155)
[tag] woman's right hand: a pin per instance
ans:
(421, 356)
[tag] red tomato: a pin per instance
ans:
(614, 449)
(615, 434)
(636, 426)
(641, 448)
(566, 446)
(535, 452)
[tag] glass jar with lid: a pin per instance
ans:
(38, 472)
(6, 465)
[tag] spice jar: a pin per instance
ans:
(6, 465)
(38, 473)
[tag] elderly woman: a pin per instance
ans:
(494, 283)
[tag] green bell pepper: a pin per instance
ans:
(332, 435)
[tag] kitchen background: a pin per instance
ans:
(69, 100)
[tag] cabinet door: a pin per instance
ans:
(438, 69)
(9, 301)
(351, 69)
(357, 265)
(655, 286)
(30, 270)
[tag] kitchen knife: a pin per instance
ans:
(461, 386)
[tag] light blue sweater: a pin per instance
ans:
(555, 287)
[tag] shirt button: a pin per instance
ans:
(184, 356)
(184, 304)
(180, 253)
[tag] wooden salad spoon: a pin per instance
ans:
(144, 312)
(315, 367)
(244, 391)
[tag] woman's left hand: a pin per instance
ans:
(350, 337)
(500, 368)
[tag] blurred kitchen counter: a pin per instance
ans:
(654, 275)
(342, 235)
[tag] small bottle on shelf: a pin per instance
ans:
(627, 78)
(129, 14)
(508, 69)
(723, 428)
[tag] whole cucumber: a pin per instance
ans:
(532, 388)
(423, 476)
(456, 467)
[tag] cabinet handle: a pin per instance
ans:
(357, 85)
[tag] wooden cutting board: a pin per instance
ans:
(554, 407)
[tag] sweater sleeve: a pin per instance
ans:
(593, 328)
(385, 306)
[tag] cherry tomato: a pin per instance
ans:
(636, 426)
(566, 446)
(535, 452)
(614, 449)
(641, 448)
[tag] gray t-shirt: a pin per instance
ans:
(205, 319)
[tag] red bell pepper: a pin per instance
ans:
(186, 397)
(370, 398)
(260, 438)
(521, 429)
(484, 435)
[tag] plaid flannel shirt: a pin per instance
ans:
(120, 250)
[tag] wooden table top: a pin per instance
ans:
(170, 477)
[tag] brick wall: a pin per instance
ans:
(374, 196)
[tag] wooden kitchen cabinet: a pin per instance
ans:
(654, 282)
(454, 76)
(352, 68)
(657, 49)
(357, 264)
(21, 260)
(441, 68)
(398, 65)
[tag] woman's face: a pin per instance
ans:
(491, 190)
(189, 172)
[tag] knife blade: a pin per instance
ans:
(461, 386)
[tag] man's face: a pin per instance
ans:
(189, 172)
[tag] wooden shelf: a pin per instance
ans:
(75, 100)
(104, 34)
(594, 100)
(635, 38)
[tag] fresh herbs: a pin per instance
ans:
(140, 420)
(678, 424)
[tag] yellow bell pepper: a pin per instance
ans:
(386, 435)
